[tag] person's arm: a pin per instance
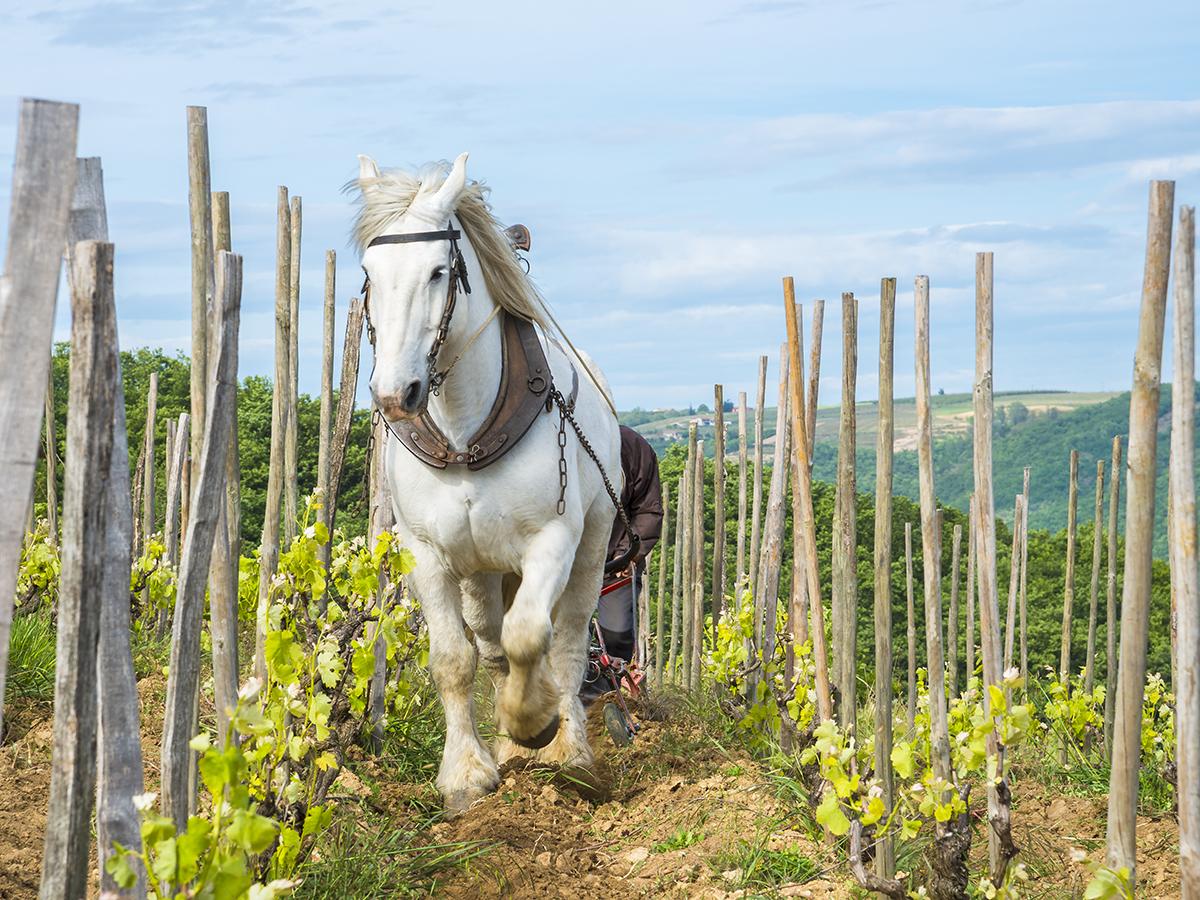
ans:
(646, 512)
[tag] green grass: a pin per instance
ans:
(31, 659)
(762, 867)
(366, 855)
(680, 840)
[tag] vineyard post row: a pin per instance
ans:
(57, 202)
(1002, 644)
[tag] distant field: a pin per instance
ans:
(952, 415)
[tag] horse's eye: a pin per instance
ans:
(438, 273)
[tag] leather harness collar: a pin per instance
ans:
(526, 382)
(523, 395)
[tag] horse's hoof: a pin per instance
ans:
(458, 802)
(542, 738)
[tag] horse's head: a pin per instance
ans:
(409, 286)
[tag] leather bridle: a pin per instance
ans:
(458, 276)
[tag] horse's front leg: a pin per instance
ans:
(468, 771)
(527, 703)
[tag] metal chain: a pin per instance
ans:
(567, 414)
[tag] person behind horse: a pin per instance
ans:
(642, 499)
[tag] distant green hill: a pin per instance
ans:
(1032, 429)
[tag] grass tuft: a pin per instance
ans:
(31, 659)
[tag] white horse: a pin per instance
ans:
(504, 570)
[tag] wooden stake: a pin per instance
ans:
(677, 574)
(803, 485)
(814, 379)
(345, 406)
(1110, 613)
(1089, 672)
(118, 736)
(912, 627)
(741, 525)
(94, 373)
(885, 853)
(798, 607)
(697, 621)
(845, 560)
(1024, 570)
(326, 429)
(42, 184)
(1139, 534)
(291, 488)
(1183, 555)
(756, 497)
(183, 680)
(51, 460)
(972, 592)
(280, 413)
(766, 612)
(223, 240)
(382, 518)
(1000, 846)
(952, 627)
(718, 554)
(660, 626)
(200, 212)
(1014, 583)
(687, 508)
(148, 518)
(1064, 662)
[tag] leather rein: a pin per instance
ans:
(514, 410)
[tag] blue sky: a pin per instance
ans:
(673, 160)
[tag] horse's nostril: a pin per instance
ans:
(412, 395)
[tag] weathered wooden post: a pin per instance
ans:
(885, 853)
(269, 554)
(718, 555)
(1064, 662)
(912, 626)
(687, 504)
(696, 625)
(183, 680)
(1014, 583)
(756, 497)
(1089, 672)
(952, 627)
(677, 574)
(382, 518)
(972, 593)
(291, 489)
(224, 564)
(176, 466)
(1000, 846)
(814, 379)
(118, 738)
(741, 522)
(223, 240)
(200, 214)
(42, 185)
(845, 563)
(1183, 555)
(1024, 579)
(1139, 534)
(93, 383)
(802, 473)
(1110, 610)
(51, 460)
(953, 835)
(148, 517)
(345, 406)
(326, 434)
(766, 612)
(659, 624)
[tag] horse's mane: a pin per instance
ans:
(382, 200)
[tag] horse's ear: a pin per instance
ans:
(367, 168)
(447, 195)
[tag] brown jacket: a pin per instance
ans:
(641, 496)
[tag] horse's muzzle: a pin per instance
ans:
(407, 403)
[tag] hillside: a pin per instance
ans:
(1032, 429)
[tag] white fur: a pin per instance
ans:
(472, 532)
